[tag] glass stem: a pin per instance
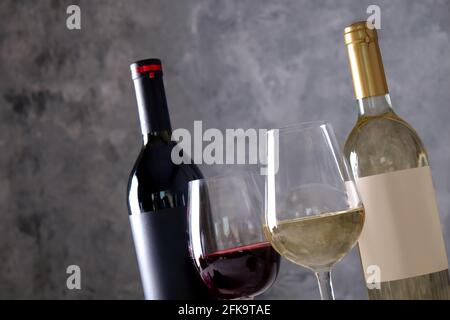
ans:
(325, 285)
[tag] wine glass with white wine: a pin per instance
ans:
(313, 213)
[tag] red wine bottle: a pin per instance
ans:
(157, 193)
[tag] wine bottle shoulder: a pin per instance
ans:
(383, 143)
(156, 182)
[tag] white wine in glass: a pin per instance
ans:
(319, 241)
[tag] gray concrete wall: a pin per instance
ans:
(69, 128)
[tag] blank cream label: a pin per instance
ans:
(402, 233)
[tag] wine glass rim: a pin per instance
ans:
(307, 125)
(222, 177)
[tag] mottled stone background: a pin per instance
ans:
(69, 128)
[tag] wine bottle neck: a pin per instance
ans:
(373, 106)
(366, 65)
(152, 104)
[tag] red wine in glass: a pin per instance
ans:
(245, 271)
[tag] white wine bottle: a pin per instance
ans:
(401, 246)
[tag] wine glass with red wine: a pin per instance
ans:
(227, 241)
